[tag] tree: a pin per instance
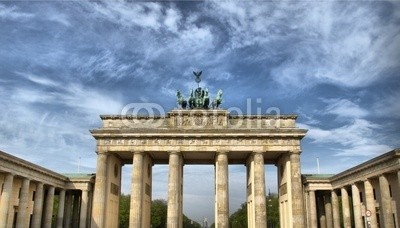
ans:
(159, 213)
(124, 209)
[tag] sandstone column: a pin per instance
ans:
(386, 201)
(99, 198)
(346, 208)
(259, 191)
(221, 188)
(328, 211)
(297, 190)
(174, 185)
(5, 199)
(313, 209)
(355, 192)
(23, 204)
(68, 210)
(135, 215)
(370, 202)
(48, 210)
(84, 204)
(75, 210)
(60, 212)
(38, 206)
(321, 211)
(335, 210)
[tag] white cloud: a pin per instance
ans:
(359, 138)
(11, 13)
(344, 108)
(39, 80)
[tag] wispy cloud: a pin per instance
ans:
(12, 13)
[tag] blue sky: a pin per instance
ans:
(334, 63)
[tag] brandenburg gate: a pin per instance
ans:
(197, 136)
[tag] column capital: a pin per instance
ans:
(102, 152)
(137, 152)
(177, 152)
(295, 152)
(258, 152)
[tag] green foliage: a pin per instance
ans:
(239, 218)
(158, 214)
(124, 208)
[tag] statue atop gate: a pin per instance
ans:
(198, 98)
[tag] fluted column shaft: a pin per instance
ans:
(68, 210)
(355, 192)
(370, 202)
(386, 201)
(38, 206)
(48, 210)
(335, 210)
(321, 211)
(259, 191)
(346, 208)
(222, 194)
(84, 205)
(60, 212)
(135, 215)
(5, 199)
(313, 209)
(174, 185)
(328, 211)
(99, 203)
(23, 204)
(297, 191)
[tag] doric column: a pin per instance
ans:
(321, 211)
(346, 208)
(335, 210)
(174, 185)
(60, 212)
(313, 209)
(48, 210)
(386, 201)
(38, 206)
(23, 204)
(355, 192)
(135, 215)
(99, 198)
(5, 199)
(84, 204)
(68, 210)
(297, 190)
(259, 190)
(328, 211)
(75, 210)
(370, 202)
(221, 188)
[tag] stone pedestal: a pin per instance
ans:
(221, 191)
